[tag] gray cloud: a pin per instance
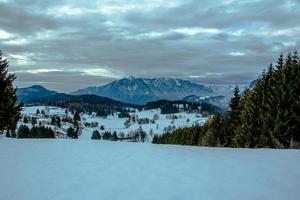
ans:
(55, 80)
(217, 41)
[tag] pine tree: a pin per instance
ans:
(96, 135)
(23, 132)
(76, 117)
(70, 132)
(9, 111)
(58, 122)
(232, 118)
(53, 121)
(107, 135)
(114, 136)
(25, 120)
(214, 131)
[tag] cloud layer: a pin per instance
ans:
(71, 44)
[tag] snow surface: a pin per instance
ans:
(31, 110)
(34, 169)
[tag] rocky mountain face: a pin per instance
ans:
(142, 90)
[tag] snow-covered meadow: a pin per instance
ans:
(113, 123)
(49, 169)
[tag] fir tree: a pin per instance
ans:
(114, 136)
(232, 118)
(9, 111)
(96, 135)
(71, 132)
(76, 117)
(25, 120)
(214, 132)
(23, 132)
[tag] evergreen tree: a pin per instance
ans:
(96, 135)
(71, 132)
(76, 117)
(33, 121)
(53, 121)
(25, 120)
(214, 132)
(232, 118)
(23, 132)
(114, 136)
(9, 111)
(58, 122)
(107, 135)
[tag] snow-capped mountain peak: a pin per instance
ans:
(141, 90)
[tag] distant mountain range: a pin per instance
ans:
(139, 91)
(103, 106)
(34, 92)
(142, 90)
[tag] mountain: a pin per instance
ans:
(142, 90)
(33, 92)
(220, 100)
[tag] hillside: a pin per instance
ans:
(33, 92)
(103, 106)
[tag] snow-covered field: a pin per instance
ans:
(34, 169)
(113, 123)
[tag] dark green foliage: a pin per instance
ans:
(23, 132)
(96, 135)
(9, 111)
(35, 132)
(266, 115)
(76, 116)
(25, 120)
(171, 107)
(114, 136)
(232, 117)
(33, 121)
(71, 133)
(56, 121)
(183, 136)
(214, 134)
(107, 135)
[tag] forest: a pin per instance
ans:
(265, 115)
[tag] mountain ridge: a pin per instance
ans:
(33, 92)
(142, 90)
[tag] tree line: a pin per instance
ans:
(35, 132)
(264, 115)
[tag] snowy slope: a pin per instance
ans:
(115, 124)
(86, 169)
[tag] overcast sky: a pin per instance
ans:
(70, 44)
